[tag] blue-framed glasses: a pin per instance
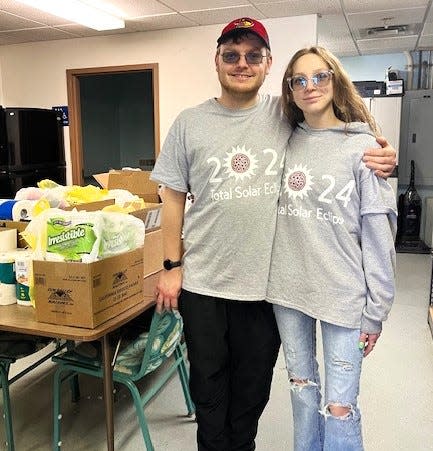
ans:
(250, 57)
(320, 80)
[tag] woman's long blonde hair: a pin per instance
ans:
(348, 104)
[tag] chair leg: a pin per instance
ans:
(184, 380)
(75, 388)
(140, 414)
(57, 416)
(4, 382)
(73, 383)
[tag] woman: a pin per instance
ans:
(333, 255)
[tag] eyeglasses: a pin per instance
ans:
(250, 57)
(321, 79)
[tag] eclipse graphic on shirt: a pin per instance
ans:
(298, 181)
(240, 163)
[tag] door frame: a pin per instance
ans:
(74, 109)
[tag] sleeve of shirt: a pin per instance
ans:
(171, 167)
(379, 226)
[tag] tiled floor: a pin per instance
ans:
(396, 394)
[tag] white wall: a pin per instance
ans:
(373, 67)
(34, 74)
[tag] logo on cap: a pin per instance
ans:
(244, 23)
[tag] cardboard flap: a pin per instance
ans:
(136, 182)
(102, 179)
(91, 206)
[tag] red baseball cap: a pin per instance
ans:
(246, 25)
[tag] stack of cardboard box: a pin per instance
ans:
(86, 295)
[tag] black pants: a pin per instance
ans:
(232, 349)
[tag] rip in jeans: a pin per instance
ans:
(326, 411)
(299, 384)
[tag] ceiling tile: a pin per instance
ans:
(223, 16)
(342, 46)
(428, 29)
(162, 23)
(134, 8)
(33, 35)
(396, 17)
(352, 6)
(23, 11)
(426, 42)
(395, 44)
(334, 34)
(196, 5)
(330, 27)
(298, 7)
(267, 2)
(12, 22)
(429, 17)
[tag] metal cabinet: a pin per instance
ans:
(387, 113)
(416, 142)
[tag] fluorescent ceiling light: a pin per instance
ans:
(79, 12)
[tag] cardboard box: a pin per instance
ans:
(136, 182)
(86, 295)
(153, 254)
(149, 285)
(91, 206)
(151, 216)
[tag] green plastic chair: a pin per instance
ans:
(12, 347)
(162, 343)
(5, 363)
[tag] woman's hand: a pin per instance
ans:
(367, 342)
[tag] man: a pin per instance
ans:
(228, 153)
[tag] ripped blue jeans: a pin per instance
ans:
(316, 428)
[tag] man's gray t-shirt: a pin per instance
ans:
(231, 162)
(333, 256)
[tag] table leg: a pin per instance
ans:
(108, 392)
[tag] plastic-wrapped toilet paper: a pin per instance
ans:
(23, 268)
(7, 279)
(23, 210)
(6, 206)
(7, 294)
(8, 239)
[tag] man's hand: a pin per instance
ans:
(168, 289)
(381, 160)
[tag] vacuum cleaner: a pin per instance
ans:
(409, 219)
